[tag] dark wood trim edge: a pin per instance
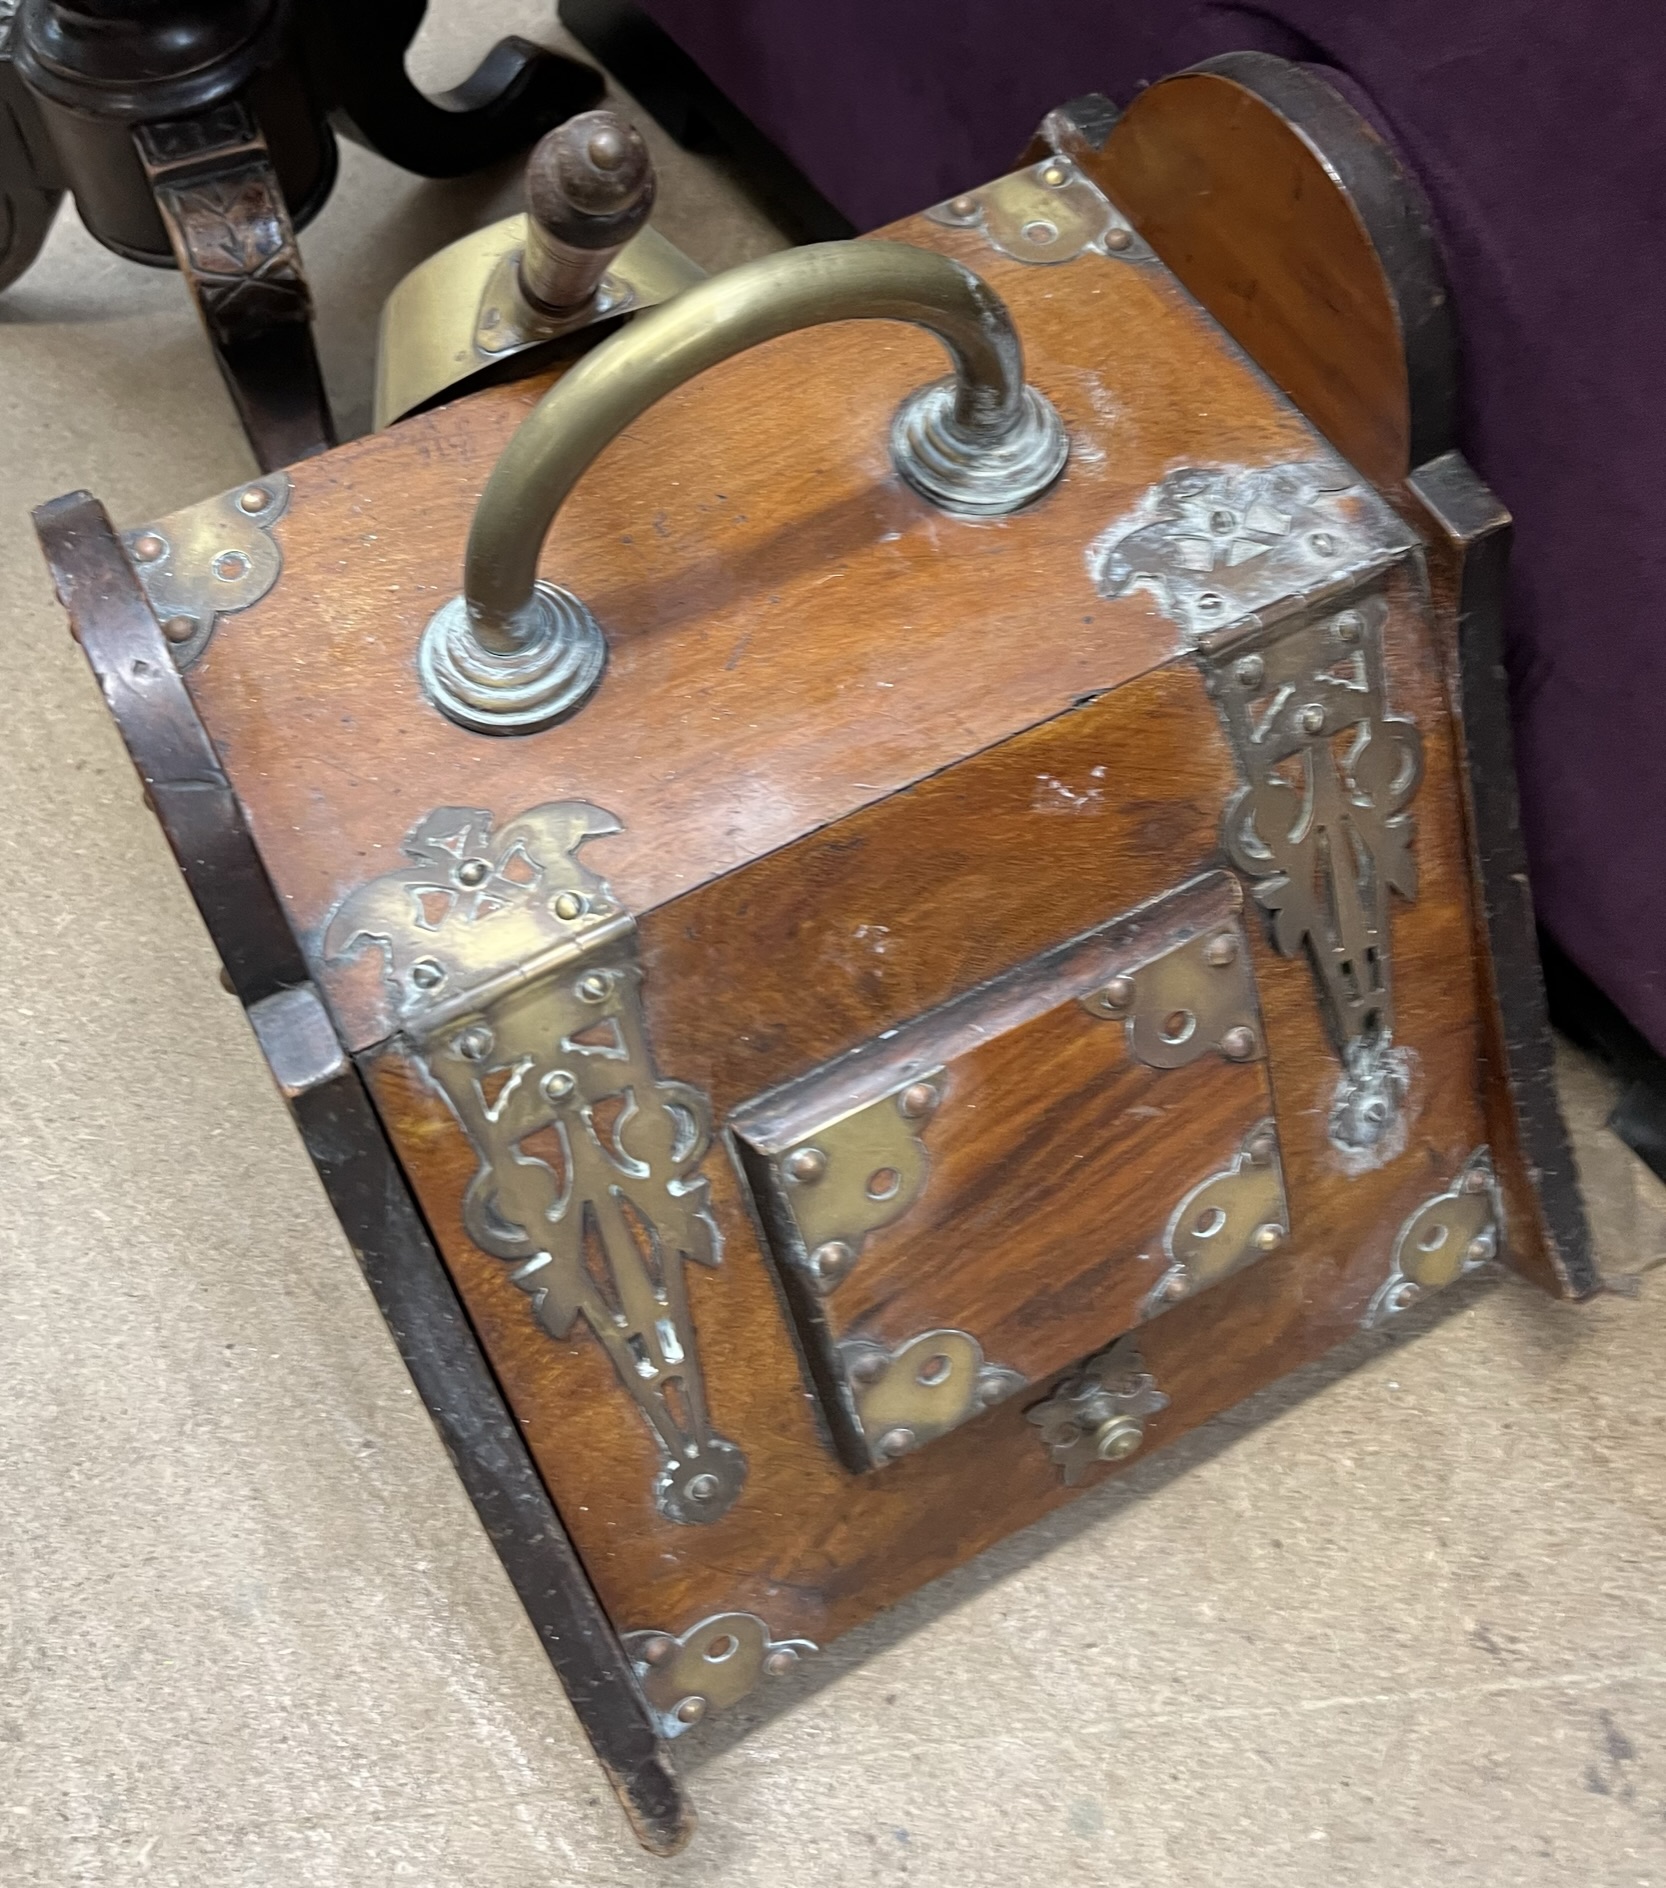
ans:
(187, 790)
(1476, 530)
(1395, 215)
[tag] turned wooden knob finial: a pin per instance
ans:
(589, 189)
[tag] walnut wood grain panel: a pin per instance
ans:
(1051, 1169)
(1245, 212)
(809, 1545)
(793, 632)
(1056, 1163)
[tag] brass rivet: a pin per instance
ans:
(1267, 1237)
(1221, 950)
(1250, 671)
(1479, 1249)
(473, 872)
(990, 1390)
(1053, 174)
(867, 1369)
(593, 986)
(569, 906)
(1323, 543)
(1119, 239)
(180, 628)
(916, 1099)
(1311, 720)
(830, 1262)
(1348, 626)
(1475, 1181)
(557, 1085)
(1406, 1294)
(475, 1044)
(427, 975)
(896, 1442)
(1222, 522)
(229, 566)
(1117, 1439)
(805, 1164)
(1261, 1150)
(1176, 1286)
(691, 1710)
(1118, 993)
(1238, 1043)
(1210, 604)
(703, 1487)
(147, 547)
(964, 207)
(657, 1649)
(1040, 232)
(253, 498)
(780, 1661)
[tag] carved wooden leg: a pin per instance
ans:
(225, 215)
(517, 92)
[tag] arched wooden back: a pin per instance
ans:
(1287, 215)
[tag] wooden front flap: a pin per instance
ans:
(1006, 1166)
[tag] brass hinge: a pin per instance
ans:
(516, 982)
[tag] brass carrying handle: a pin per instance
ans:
(512, 654)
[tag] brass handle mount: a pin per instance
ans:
(514, 654)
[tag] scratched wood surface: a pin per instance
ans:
(793, 633)
(867, 758)
(761, 974)
(1045, 1156)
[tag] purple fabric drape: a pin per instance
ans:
(1534, 128)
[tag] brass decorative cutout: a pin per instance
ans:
(1268, 571)
(516, 980)
(1194, 1000)
(854, 1174)
(1097, 1414)
(908, 1397)
(1225, 1222)
(1048, 213)
(1446, 1237)
(210, 560)
(1321, 830)
(688, 1677)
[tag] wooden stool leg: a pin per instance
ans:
(225, 215)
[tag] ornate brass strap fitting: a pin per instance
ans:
(512, 654)
(514, 974)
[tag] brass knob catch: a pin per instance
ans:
(513, 654)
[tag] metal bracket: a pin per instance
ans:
(462, 311)
(851, 1175)
(1266, 570)
(1452, 1234)
(516, 978)
(1097, 1414)
(1197, 999)
(1048, 213)
(1225, 1222)
(908, 1397)
(210, 560)
(688, 1677)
